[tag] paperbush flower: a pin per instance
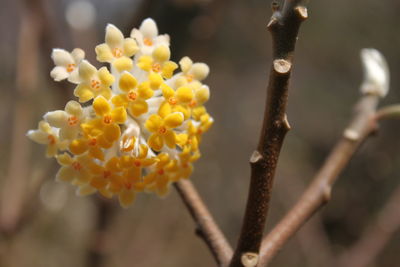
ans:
(138, 125)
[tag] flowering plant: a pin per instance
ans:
(136, 126)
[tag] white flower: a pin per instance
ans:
(66, 64)
(147, 37)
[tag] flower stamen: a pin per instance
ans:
(71, 67)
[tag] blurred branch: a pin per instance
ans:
(377, 234)
(105, 215)
(207, 229)
(283, 26)
(319, 191)
(15, 185)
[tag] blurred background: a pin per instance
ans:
(44, 224)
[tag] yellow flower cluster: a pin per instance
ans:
(137, 125)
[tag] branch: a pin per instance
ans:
(319, 191)
(207, 229)
(283, 26)
(377, 235)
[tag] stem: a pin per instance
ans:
(319, 191)
(283, 26)
(207, 229)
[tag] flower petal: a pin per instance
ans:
(86, 70)
(170, 139)
(59, 73)
(138, 107)
(130, 47)
(123, 63)
(103, 53)
(83, 92)
(149, 28)
(126, 198)
(65, 174)
(173, 120)
(106, 78)
(127, 81)
(184, 94)
(114, 36)
(119, 115)
(74, 108)
(156, 142)
(61, 57)
(57, 118)
(112, 132)
(153, 123)
(101, 106)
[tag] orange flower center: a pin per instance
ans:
(156, 67)
(132, 96)
(189, 77)
(137, 163)
(148, 41)
(73, 120)
(117, 52)
(199, 131)
(107, 119)
(172, 101)
(95, 84)
(70, 68)
(52, 139)
(160, 172)
(192, 103)
(162, 130)
(106, 174)
(128, 185)
(77, 166)
(93, 142)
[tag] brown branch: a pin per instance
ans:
(207, 229)
(15, 185)
(376, 236)
(283, 26)
(318, 193)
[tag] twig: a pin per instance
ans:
(318, 193)
(207, 229)
(376, 236)
(15, 185)
(284, 26)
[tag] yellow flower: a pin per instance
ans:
(68, 121)
(73, 169)
(134, 98)
(161, 125)
(158, 181)
(158, 62)
(107, 120)
(116, 49)
(46, 135)
(93, 82)
(192, 73)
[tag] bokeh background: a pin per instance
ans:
(44, 224)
